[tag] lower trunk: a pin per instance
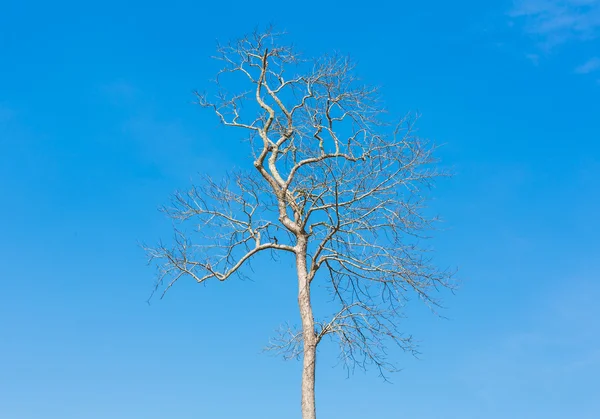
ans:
(308, 335)
(308, 382)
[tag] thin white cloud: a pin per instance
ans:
(554, 22)
(589, 66)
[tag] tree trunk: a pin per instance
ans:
(308, 334)
(308, 382)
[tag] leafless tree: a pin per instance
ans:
(332, 184)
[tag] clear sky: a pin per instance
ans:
(97, 128)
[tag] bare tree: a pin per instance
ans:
(332, 184)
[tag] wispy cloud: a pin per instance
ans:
(589, 66)
(554, 22)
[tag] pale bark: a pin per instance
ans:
(308, 332)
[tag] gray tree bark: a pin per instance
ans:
(308, 332)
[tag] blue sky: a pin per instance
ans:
(97, 128)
